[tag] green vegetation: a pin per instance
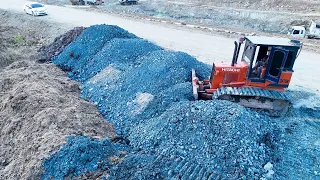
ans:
(18, 38)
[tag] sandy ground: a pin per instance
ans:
(294, 6)
(229, 18)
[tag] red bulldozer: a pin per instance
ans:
(258, 79)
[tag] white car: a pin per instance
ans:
(35, 9)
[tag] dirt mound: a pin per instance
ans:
(13, 39)
(39, 106)
(20, 36)
(59, 43)
(37, 112)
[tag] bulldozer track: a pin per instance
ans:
(181, 168)
(249, 92)
(273, 103)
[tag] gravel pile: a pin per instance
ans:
(155, 81)
(117, 51)
(46, 53)
(146, 93)
(138, 166)
(299, 146)
(91, 41)
(80, 155)
(233, 142)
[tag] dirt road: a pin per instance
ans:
(205, 47)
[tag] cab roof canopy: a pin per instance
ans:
(299, 27)
(273, 41)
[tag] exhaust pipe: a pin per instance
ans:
(238, 50)
(235, 52)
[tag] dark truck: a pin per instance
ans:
(88, 2)
(128, 2)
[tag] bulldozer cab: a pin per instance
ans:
(269, 57)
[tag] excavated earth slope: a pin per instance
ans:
(39, 105)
